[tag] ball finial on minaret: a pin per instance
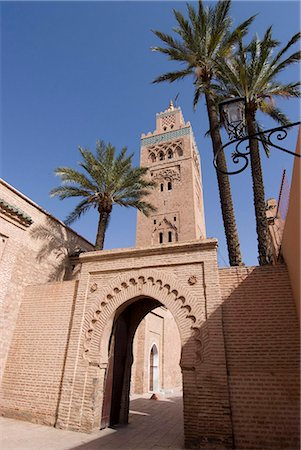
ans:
(170, 105)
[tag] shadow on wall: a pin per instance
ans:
(56, 245)
(262, 347)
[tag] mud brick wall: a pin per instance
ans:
(35, 364)
(262, 349)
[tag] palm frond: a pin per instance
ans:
(294, 39)
(169, 40)
(173, 76)
(264, 143)
(274, 113)
(69, 175)
(197, 95)
(78, 211)
(68, 191)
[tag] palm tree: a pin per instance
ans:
(107, 180)
(251, 73)
(202, 38)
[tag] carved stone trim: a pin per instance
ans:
(167, 174)
(153, 286)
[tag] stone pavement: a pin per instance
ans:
(154, 424)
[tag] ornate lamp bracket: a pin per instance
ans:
(242, 149)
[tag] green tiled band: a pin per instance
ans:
(168, 136)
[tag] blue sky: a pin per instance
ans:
(75, 72)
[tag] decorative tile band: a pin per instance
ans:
(14, 211)
(165, 136)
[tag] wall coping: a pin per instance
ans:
(163, 249)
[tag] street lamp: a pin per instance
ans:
(232, 117)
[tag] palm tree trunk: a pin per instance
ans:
(264, 240)
(101, 230)
(234, 252)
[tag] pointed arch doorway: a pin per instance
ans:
(154, 371)
(116, 398)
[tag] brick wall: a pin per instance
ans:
(18, 258)
(35, 364)
(242, 345)
(262, 349)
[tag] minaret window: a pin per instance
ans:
(169, 154)
(161, 156)
(169, 186)
(175, 219)
(152, 157)
(161, 187)
(161, 238)
(179, 151)
(155, 222)
(170, 236)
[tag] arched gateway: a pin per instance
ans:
(111, 299)
(129, 298)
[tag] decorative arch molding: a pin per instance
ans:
(152, 284)
(167, 174)
(165, 222)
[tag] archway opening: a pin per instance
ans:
(154, 369)
(138, 352)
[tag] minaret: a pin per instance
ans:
(171, 155)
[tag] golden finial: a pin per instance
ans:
(170, 105)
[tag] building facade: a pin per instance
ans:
(78, 344)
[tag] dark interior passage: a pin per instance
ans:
(118, 376)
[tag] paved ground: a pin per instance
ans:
(154, 424)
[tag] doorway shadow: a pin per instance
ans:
(153, 424)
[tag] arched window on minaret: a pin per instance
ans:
(152, 157)
(161, 237)
(179, 150)
(169, 154)
(161, 156)
(169, 186)
(170, 236)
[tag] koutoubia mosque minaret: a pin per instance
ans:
(171, 155)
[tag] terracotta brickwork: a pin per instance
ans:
(110, 280)
(31, 384)
(262, 347)
(173, 160)
(18, 250)
(239, 361)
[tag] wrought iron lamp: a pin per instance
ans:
(232, 117)
(232, 114)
